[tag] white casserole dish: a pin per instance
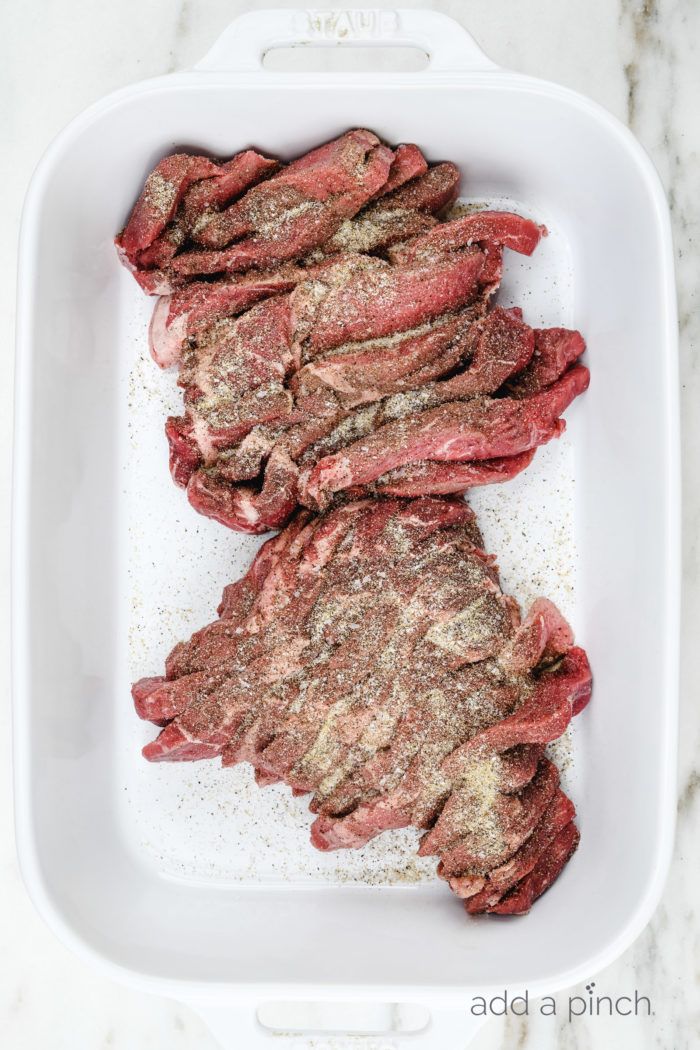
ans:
(104, 544)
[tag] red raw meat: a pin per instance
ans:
(478, 429)
(164, 189)
(344, 356)
(369, 658)
(362, 332)
(201, 303)
(400, 214)
(407, 164)
(294, 211)
(177, 194)
(555, 350)
(428, 478)
(490, 227)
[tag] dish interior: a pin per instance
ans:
(189, 871)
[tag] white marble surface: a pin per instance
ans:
(639, 59)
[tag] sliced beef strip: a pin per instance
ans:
(181, 189)
(428, 478)
(556, 349)
(245, 508)
(199, 304)
(433, 192)
(520, 899)
(559, 694)
(197, 438)
(558, 814)
(233, 178)
(490, 227)
(230, 181)
(234, 379)
(382, 300)
(238, 598)
(408, 163)
(514, 817)
(163, 191)
(184, 454)
(400, 215)
(541, 638)
(235, 356)
(361, 373)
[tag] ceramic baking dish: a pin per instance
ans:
(187, 881)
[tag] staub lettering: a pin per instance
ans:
(352, 24)
(347, 1043)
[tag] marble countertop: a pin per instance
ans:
(636, 57)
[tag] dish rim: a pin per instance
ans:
(35, 881)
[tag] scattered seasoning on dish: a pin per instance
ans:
(544, 570)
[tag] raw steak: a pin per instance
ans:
(369, 659)
(334, 332)
(198, 217)
(380, 377)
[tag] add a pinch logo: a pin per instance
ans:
(590, 1004)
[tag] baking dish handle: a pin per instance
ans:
(243, 45)
(237, 1027)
